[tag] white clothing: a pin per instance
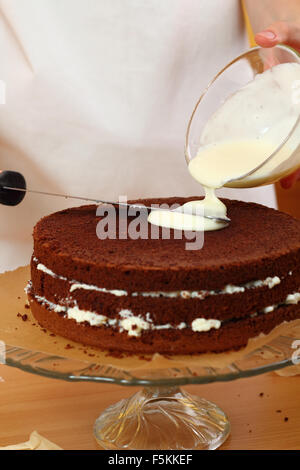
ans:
(98, 96)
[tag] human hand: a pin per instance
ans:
(281, 32)
(287, 33)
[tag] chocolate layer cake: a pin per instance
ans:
(153, 295)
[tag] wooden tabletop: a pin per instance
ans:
(264, 410)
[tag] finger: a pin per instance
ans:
(266, 39)
(280, 32)
(290, 180)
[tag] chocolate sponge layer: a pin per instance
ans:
(258, 243)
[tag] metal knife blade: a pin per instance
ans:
(101, 201)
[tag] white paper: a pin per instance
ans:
(35, 442)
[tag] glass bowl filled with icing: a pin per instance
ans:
(244, 132)
(245, 128)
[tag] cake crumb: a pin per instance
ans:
(24, 316)
(286, 419)
(145, 358)
(278, 411)
(116, 354)
(69, 346)
(27, 306)
(261, 394)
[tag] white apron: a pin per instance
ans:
(98, 96)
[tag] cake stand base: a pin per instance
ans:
(162, 418)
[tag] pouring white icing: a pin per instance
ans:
(249, 126)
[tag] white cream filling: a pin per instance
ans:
(201, 324)
(42, 267)
(293, 298)
(134, 324)
(229, 289)
(116, 292)
(290, 299)
(94, 319)
(185, 294)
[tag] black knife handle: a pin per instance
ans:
(11, 179)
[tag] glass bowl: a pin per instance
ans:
(284, 158)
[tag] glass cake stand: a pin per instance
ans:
(161, 415)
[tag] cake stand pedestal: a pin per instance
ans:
(161, 415)
(162, 418)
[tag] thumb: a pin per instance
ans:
(281, 32)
